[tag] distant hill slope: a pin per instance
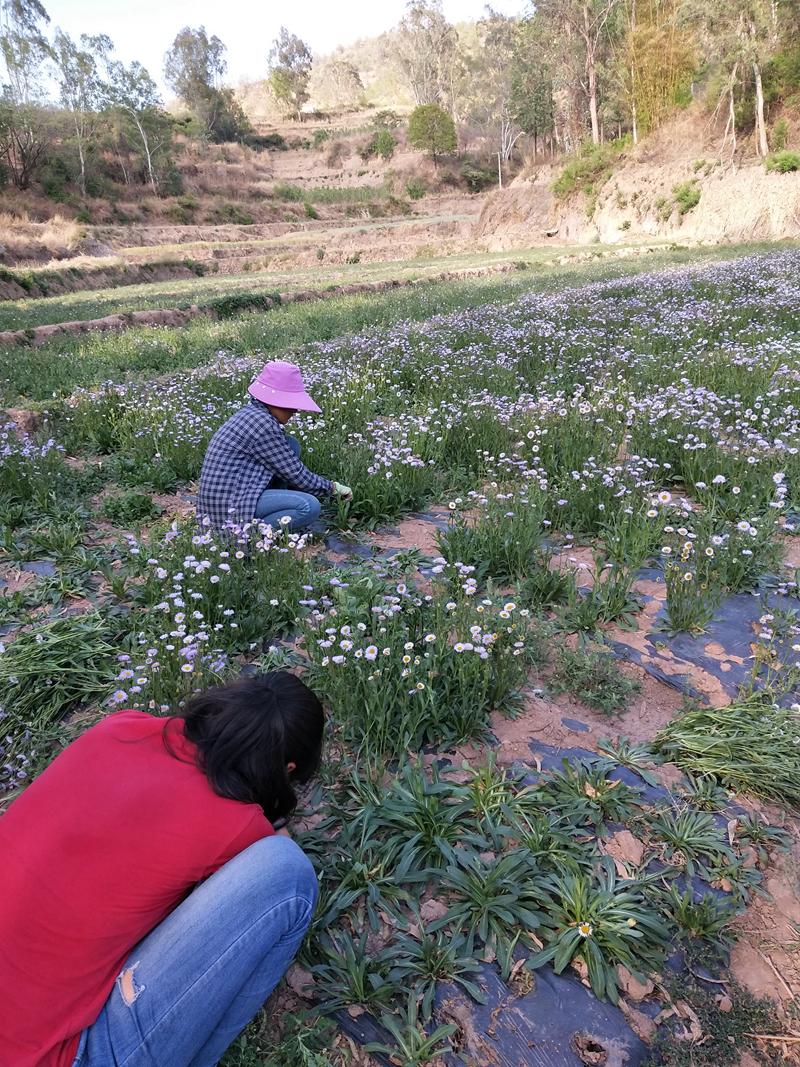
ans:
(679, 184)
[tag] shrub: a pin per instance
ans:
(224, 307)
(234, 213)
(310, 210)
(780, 135)
(386, 120)
(262, 142)
(55, 178)
(783, 162)
(183, 210)
(595, 678)
(686, 196)
(320, 137)
(283, 191)
(477, 178)
(415, 188)
(382, 143)
(588, 169)
(171, 183)
(339, 152)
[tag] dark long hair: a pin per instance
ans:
(247, 732)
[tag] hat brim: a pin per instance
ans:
(279, 398)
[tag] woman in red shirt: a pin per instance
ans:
(147, 908)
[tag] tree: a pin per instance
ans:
(335, 83)
(426, 50)
(738, 36)
(194, 67)
(82, 90)
(133, 96)
(24, 126)
(491, 82)
(194, 64)
(532, 82)
(587, 24)
(431, 130)
(653, 64)
(289, 71)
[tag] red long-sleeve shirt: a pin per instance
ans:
(93, 855)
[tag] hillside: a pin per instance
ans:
(679, 184)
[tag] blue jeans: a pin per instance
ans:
(302, 508)
(195, 982)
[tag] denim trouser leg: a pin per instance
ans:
(278, 500)
(301, 508)
(193, 984)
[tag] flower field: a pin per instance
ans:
(606, 473)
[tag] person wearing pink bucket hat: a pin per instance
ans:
(252, 468)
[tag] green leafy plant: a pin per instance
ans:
(584, 793)
(595, 678)
(413, 1047)
(632, 755)
(495, 899)
(501, 539)
(130, 507)
(424, 959)
(424, 820)
(46, 672)
(605, 922)
(783, 162)
(544, 586)
(350, 975)
(689, 838)
(750, 746)
(686, 196)
(704, 925)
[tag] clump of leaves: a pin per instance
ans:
(46, 672)
(429, 958)
(635, 757)
(130, 507)
(493, 898)
(605, 922)
(704, 793)
(690, 838)
(298, 1040)
(704, 925)
(349, 974)
(595, 678)
(749, 747)
(583, 793)
(544, 586)
(413, 1047)
(424, 821)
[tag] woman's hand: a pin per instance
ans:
(343, 491)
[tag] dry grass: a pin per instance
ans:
(25, 239)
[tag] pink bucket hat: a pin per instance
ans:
(281, 385)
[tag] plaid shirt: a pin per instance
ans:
(243, 457)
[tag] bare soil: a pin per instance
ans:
(547, 719)
(766, 958)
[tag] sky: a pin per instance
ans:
(144, 29)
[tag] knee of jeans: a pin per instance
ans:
(283, 850)
(312, 508)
